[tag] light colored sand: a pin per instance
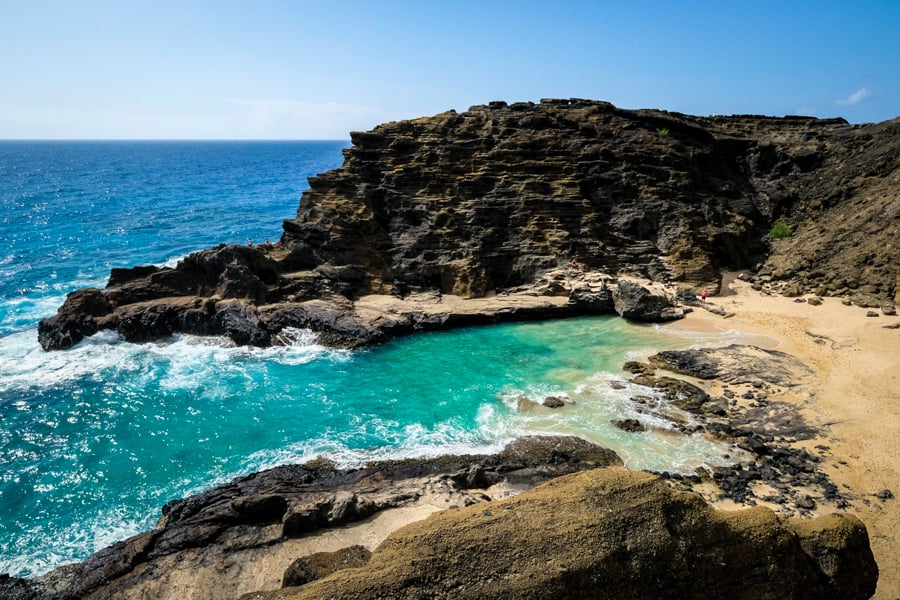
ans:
(856, 399)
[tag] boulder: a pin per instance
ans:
(640, 302)
(321, 564)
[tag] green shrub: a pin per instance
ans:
(664, 132)
(780, 230)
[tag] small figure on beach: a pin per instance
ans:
(250, 242)
(703, 295)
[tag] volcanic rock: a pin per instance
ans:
(213, 542)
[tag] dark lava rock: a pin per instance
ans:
(735, 364)
(629, 425)
(543, 185)
(255, 514)
(553, 402)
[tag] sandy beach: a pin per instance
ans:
(855, 401)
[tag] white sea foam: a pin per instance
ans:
(43, 547)
(188, 359)
(173, 261)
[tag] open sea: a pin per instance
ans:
(94, 440)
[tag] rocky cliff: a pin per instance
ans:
(526, 199)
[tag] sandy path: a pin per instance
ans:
(856, 402)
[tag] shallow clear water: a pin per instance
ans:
(96, 439)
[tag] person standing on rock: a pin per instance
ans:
(703, 295)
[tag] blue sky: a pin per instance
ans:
(272, 69)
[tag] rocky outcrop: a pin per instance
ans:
(774, 465)
(498, 201)
(218, 543)
(609, 534)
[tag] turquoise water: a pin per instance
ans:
(96, 439)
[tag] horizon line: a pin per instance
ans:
(174, 139)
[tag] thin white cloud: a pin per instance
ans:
(855, 98)
(275, 117)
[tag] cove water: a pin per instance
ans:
(94, 440)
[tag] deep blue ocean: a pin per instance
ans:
(94, 440)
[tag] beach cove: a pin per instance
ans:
(525, 213)
(853, 441)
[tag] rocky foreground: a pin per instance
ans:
(512, 204)
(605, 533)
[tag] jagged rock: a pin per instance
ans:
(626, 535)
(553, 402)
(76, 319)
(644, 303)
(629, 425)
(889, 309)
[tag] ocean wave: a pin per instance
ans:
(179, 362)
(413, 440)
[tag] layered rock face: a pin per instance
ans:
(501, 198)
(487, 199)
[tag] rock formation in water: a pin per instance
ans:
(515, 205)
(603, 533)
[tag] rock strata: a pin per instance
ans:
(534, 201)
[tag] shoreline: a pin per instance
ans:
(854, 399)
(836, 342)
